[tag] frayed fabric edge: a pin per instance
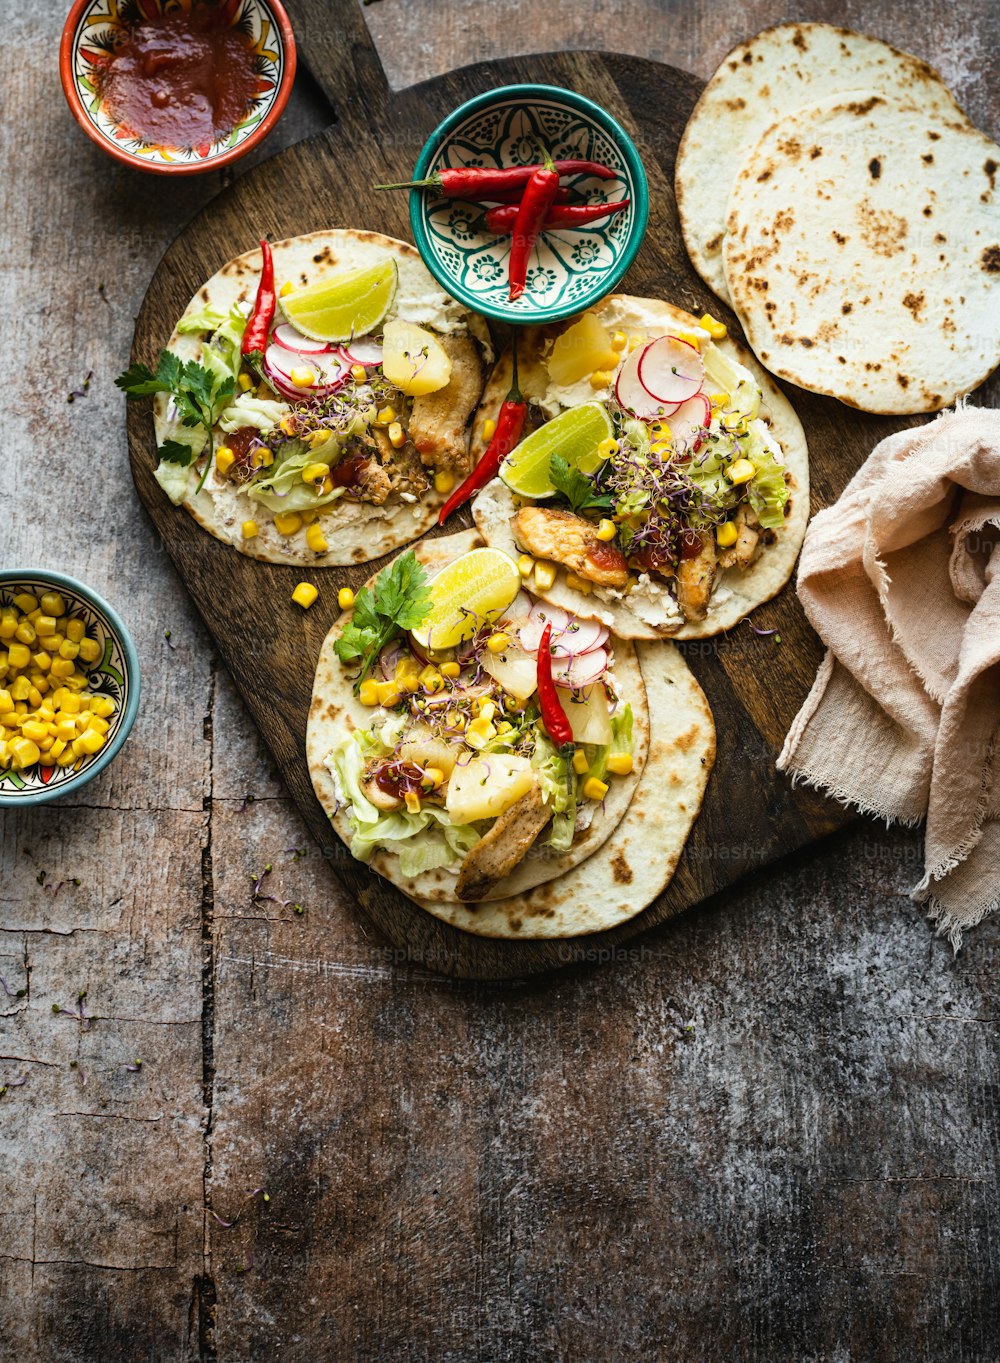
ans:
(814, 782)
(946, 924)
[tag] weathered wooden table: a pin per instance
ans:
(766, 1132)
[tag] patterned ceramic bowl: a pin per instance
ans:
(569, 269)
(115, 674)
(95, 26)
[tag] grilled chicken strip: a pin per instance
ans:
(695, 579)
(438, 420)
(405, 472)
(504, 846)
(741, 554)
(572, 541)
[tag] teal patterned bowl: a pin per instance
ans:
(569, 269)
(114, 674)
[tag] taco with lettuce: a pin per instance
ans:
(340, 436)
(429, 749)
(664, 489)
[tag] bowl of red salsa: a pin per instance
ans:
(177, 89)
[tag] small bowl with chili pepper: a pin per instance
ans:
(529, 203)
(69, 686)
(177, 89)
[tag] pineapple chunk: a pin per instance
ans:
(485, 787)
(413, 359)
(580, 350)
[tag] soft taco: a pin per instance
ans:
(665, 489)
(342, 435)
(428, 748)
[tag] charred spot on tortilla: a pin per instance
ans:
(991, 259)
(620, 869)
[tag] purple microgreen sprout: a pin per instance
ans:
(84, 388)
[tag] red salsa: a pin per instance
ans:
(182, 79)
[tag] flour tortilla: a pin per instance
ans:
(357, 531)
(334, 708)
(738, 593)
(761, 81)
(863, 253)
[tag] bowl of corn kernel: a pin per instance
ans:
(69, 685)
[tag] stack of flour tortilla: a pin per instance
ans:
(835, 194)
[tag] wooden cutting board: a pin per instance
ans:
(751, 815)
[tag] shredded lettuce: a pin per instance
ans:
(423, 841)
(553, 769)
(767, 491)
(246, 410)
(280, 487)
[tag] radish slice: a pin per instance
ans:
(670, 370)
(568, 639)
(541, 615)
(329, 369)
(363, 352)
(287, 336)
(689, 420)
(633, 396)
(582, 670)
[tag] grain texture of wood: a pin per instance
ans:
(767, 1131)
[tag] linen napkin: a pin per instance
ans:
(901, 580)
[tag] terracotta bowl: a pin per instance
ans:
(91, 31)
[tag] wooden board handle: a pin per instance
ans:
(333, 41)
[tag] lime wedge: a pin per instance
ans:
(576, 434)
(348, 304)
(474, 590)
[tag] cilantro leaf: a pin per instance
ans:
(400, 601)
(576, 487)
(139, 381)
(175, 452)
(401, 592)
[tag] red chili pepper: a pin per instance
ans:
(510, 424)
(500, 221)
(258, 326)
(539, 195)
(476, 182)
(564, 195)
(557, 726)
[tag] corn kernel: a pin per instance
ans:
(496, 643)
(44, 624)
(287, 522)
(487, 710)
(62, 667)
(24, 752)
(580, 764)
(313, 473)
(433, 777)
(478, 732)
(6, 703)
(316, 540)
(606, 530)
(286, 289)
(397, 436)
(35, 730)
(287, 425)
(620, 763)
(412, 801)
(600, 378)
(34, 697)
(579, 584)
(67, 757)
(741, 471)
(593, 789)
(388, 693)
(385, 416)
(693, 338)
(70, 704)
(358, 373)
(718, 399)
(451, 670)
(619, 341)
(90, 742)
(250, 529)
(634, 342)
(8, 623)
(103, 706)
(716, 329)
(75, 630)
(18, 655)
(99, 726)
(489, 429)
(345, 598)
(66, 730)
(726, 535)
(67, 649)
(90, 650)
(224, 459)
(607, 447)
(431, 679)
(525, 565)
(245, 382)
(42, 660)
(25, 602)
(25, 632)
(304, 595)
(545, 575)
(57, 749)
(368, 692)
